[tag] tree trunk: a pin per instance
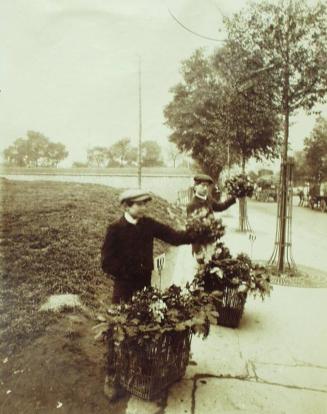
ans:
(243, 217)
(284, 183)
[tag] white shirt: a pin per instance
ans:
(200, 196)
(129, 218)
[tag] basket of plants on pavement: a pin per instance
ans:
(235, 278)
(149, 338)
(219, 271)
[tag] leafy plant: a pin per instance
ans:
(239, 186)
(224, 271)
(205, 226)
(152, 312)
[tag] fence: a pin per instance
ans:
(184, 197)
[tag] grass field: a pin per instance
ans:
(51, 235)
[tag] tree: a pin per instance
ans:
(132, 156)
(216, 117)
(151, 154)
(290, 38)
(173, 153)
(121, 151)
(98, 156)
(192, 115)
(54, 153)
(265, 171)
(315, 152)
(79, 164)
(249, 120)
(17, 154)
(300, 172)
(37, 145)
(34, 151)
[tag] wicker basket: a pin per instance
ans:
(146, 370)
(231, 308)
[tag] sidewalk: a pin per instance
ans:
(275, 362)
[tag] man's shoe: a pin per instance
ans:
(112, 391)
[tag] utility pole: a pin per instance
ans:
(139, 170)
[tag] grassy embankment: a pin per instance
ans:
(50, 243)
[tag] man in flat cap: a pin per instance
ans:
(127, 256)
(202, 200)
(127, 251)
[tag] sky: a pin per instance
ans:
(69, 69)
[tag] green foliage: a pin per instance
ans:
(193, 115)
(34, 151)
(265, 171)
(222, 271)
(289, 40)
(122, 152)
(239, 186)
(98, 156)
(300, 171)
(204, 226)
(79, 164)
(315, 152)
(213, 110)
(152, 312)
(218, 270)
(246, 111)
(151, 154)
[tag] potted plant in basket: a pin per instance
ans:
(151, 336)
(235, 278)
(219, 271)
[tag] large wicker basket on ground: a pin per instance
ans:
(231, 308)
(146, 369)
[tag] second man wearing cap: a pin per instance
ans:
(203, 199)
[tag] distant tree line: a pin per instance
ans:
(122, 153)
(35, 151)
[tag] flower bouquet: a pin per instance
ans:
(207, 230)
(203, 224)
(150, 336)
(239, 186)
(235, 278)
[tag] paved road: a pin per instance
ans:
(309, 230)
(276, 362)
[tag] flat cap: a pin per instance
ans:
(134, 195)
(203, 178)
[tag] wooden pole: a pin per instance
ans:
(139, 170)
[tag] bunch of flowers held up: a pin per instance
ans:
(205, 226)
(223, 271)
(152, 312)
(239, 186)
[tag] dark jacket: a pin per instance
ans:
(210, 204)
(127, 251)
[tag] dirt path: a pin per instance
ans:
(63, 370)
(60, 372)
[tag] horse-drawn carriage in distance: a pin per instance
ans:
(317, 196)
(266, 188)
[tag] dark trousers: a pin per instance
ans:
(123, 292)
